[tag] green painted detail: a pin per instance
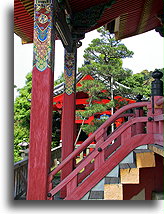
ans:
(89, 17)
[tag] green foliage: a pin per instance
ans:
(20, 134)
(56, 129)
(93, 126)
(93, 88)
(22, 107)
(140, 83)
(104, 56)
(59, 80)
(103, 60)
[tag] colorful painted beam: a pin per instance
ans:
(68, 113)
(42, 97)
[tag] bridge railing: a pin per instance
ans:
(99, 135)
(20, 178)
(21, 171)
(95, 165)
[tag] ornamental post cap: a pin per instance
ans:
(157, 74)
(139, 97)
(157, 84)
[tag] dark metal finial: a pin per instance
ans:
(157, 74)
(157, 84)
(139, 97)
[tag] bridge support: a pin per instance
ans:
(68, 113)
(42, 100)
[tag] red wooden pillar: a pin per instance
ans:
(68, 113)
(42, 100)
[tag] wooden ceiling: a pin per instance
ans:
(125, 18)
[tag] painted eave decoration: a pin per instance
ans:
(124, 18)
(24, 19)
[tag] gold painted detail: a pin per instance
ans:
(43, 34)
(69, 72)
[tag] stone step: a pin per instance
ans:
(130, 157)
(127, 172)
(112, 180)
(96, 195)
(113, 191)
(144, 158)
(156, 149)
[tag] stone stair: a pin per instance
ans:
(127, 172)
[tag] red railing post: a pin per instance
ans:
(99, 160)
(50, 186)
(71, 185)
(126, 135)
(157, 94)
(139, 112)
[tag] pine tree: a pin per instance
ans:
(104, 57)
(103, 60)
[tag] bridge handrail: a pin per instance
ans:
(106, 124)
(113, 136)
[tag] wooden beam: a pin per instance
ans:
(62, 27)
(68, 114)
(42, 100)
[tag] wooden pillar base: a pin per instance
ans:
(42, 100)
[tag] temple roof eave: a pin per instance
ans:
(124, 18)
